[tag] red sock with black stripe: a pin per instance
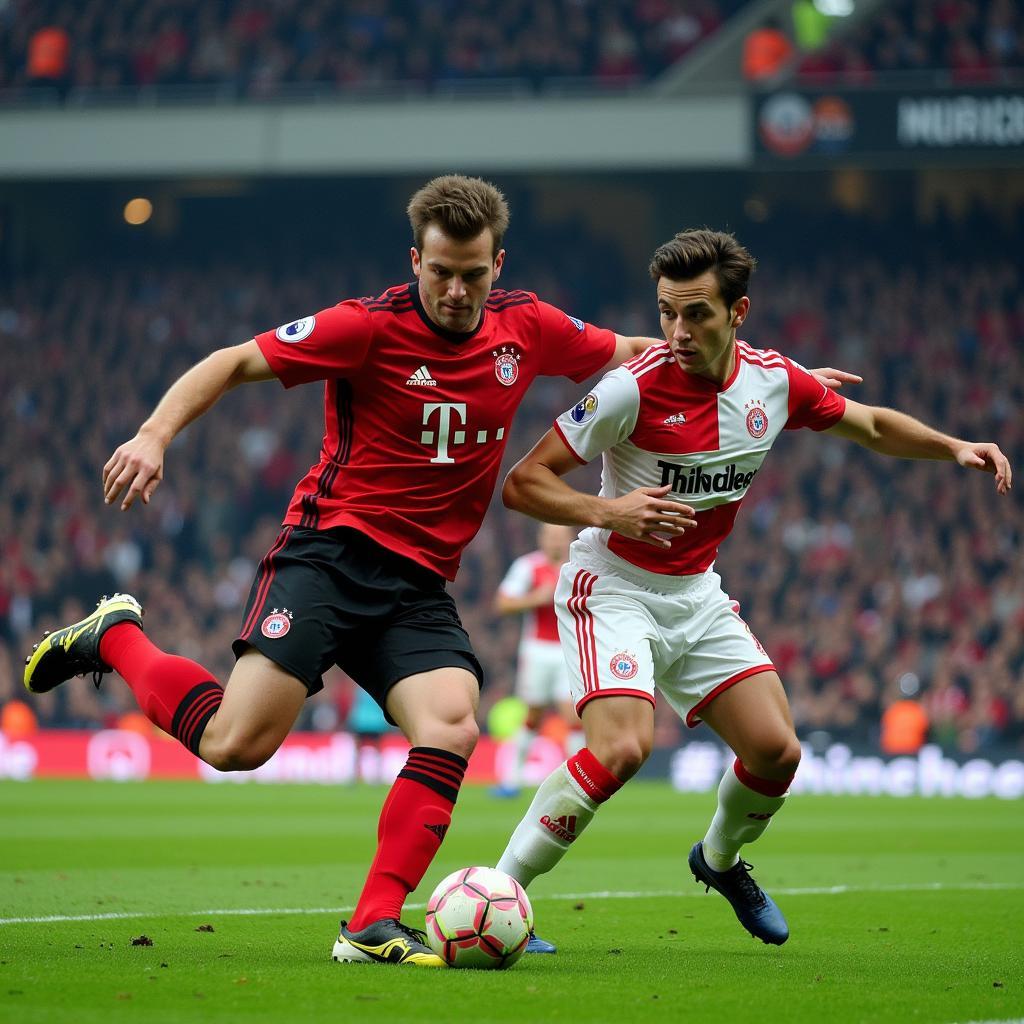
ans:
(175, 693)
(412, 825)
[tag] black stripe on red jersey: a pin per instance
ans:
(499, 299)
(458, 337)
(397, 294)
(497, 308)
(343, 414)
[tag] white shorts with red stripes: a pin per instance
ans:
(626, 631)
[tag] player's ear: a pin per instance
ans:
(414, 258)
(739, 311)
(499, 262)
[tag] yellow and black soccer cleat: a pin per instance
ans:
(387, 941)
(75, 649)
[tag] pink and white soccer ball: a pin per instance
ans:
(479, 917)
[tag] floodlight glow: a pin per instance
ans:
(138, 211)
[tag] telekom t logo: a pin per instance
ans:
(449, 415)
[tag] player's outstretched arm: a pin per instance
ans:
(894, 433)
(137, 466)
(535, 486)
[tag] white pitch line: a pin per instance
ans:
(831, 890)
(923, 887)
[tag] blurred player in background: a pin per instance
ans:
(682, 430)
(541, 678)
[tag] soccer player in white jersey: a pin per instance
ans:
(682, 430)
(528, 589)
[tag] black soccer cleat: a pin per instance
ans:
(75, 649)
(756, 910)
(386, 941)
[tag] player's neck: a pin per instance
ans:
(722, 369)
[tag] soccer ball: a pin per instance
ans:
(479, 917)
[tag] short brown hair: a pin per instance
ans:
(461, 207)
(696, 250)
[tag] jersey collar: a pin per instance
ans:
(455, 337)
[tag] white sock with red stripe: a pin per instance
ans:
(746, 804)
(564, 805)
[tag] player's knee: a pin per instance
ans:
(237, 753)
(779, 758)
(458, 736)
(622, 755)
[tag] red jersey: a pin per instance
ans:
(417, 416)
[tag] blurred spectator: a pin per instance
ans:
(48, 60)
(904, 727)
(766, 51)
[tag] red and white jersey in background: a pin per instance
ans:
(526, 574)
(656, 424)
(417, 417)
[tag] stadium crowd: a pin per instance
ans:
(253, 48)
(868, 579)
(965, 42)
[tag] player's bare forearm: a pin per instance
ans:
(889, 432)
(535, 487)
(535, 490)
(136, 467)
(895, 433)
(504, 604)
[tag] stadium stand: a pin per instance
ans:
(258, 48)
(868, 579)
(959, 42)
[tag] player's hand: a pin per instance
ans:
(988, 458)
(646, 515)
(835, 379)
(137, 465)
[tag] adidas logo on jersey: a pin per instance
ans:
(422, 378)
(676, 417)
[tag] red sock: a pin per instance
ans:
(178, 695)
(412, 825)
(592, 776)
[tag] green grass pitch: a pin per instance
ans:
(900, 910)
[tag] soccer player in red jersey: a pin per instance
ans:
(528, 589)
(422, 384)
(682, 430)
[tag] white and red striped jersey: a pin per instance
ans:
(526, 574)
(655, 424)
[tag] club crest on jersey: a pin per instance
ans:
(276, 624)
(757, 419)
(582, 411)
(506, 365)
(297, 330)
(624, 665)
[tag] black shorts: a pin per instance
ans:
(336, 597)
